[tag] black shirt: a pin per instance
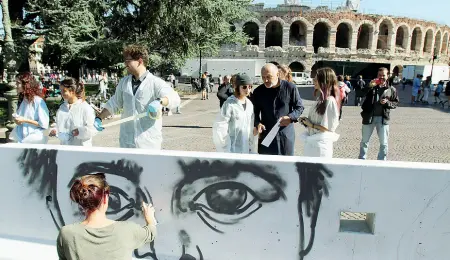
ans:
(272, 103)
(136, 83)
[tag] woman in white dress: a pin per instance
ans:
(75, 117)
(233, 128)
(323, 117)
(32, 116)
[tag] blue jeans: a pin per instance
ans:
(383, 135)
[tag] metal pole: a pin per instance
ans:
(432, 67)
(200, 68)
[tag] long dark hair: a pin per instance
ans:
(74, 86)
(327, 81)
(30, 86)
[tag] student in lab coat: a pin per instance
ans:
(32, 116)
(233, 128)
(75, 117)
(138, 93)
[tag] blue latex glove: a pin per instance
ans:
(154, 108)
(65, 137)
(98, 124)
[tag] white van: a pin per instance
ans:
(301, 78)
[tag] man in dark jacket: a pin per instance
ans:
(380, 99)
(225, 90)
(276, 100)
(359, 90)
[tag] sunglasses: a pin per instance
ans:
(245, 87)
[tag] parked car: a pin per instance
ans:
(301, 78)
(257, 80)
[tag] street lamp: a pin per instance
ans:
(432, 65)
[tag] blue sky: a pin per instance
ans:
(431, 10)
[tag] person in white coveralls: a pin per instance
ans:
(139, 93)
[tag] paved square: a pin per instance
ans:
(420, 133)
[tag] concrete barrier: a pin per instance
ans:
(227, 206)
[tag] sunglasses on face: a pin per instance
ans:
(245, 87)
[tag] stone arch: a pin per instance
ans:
(397, 71)
(445, 44)
(274, 33)
(309, 26)
(437, 42)
(252, 19)
(298, 33)
(416, 38)
(365, 35)
(314, 69)
(297, 66)
(275, 18)
(402, 36)
(344, 34)
(428, 41)
(275, 63)
(385, 30)
(321, 36)
(251, 29)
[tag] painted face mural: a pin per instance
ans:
(206, 209)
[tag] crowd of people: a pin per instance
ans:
(421, 90)
(277, 103)
(244, 125)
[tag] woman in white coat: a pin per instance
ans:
(32, 116)
(103, 85)
(323, 117)
(75, 117)
(233, 128)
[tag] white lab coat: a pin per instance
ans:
(145, 132)
(316, 142)
(79, 116)
(26, 133)
(233, 128)
(103, 86)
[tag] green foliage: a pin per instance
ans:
(78, 31)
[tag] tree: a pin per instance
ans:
(96, 30)
(8, 45)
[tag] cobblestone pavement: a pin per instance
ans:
(420, 133)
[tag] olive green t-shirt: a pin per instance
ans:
(115, 241)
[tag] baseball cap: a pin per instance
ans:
(243, 79)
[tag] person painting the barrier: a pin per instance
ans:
(140, 92)
(32, 116)
(98, 237)
(276, 101)
(75, 117)
(376, 108)
(323, 117)
(233, 128)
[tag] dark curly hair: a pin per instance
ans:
(30, 86)
(89, 191)
(136, 52)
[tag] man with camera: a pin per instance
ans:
(380, 99)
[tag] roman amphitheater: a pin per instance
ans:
(303, 37)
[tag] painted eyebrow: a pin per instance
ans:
(127, 169)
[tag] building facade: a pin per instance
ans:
(301, 37)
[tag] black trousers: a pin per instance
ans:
(281, 145)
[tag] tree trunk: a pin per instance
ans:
(9, 58)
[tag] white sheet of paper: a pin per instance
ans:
(273, 132)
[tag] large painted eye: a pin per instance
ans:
(119, 201)
(225, 203)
